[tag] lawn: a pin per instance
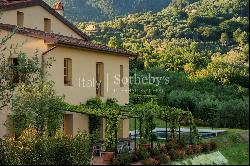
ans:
(234, 144)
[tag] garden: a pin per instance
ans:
(32, 147)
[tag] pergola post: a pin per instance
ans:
(135, 134)
(140, 128)
(116, 138)
(190, 136)
(179, 130)
(166, 131)
(151, 131)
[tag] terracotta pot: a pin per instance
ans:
(145, 146)
(108, 157)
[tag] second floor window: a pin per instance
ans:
(121, 76)
(47, 25)
(20, 19)
(67, 72)
(100, 79)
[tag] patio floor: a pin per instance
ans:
(99, 161)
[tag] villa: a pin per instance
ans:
(78, 65)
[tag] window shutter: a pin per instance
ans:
(121, 76)
(70, 71)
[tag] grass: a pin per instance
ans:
(159, 123)
(234, 144)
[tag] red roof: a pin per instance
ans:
(51, 38)
(17, 4)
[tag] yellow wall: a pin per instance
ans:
(34, 18)
(83, 66)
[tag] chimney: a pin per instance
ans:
(59, 7)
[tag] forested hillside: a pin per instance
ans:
(201, 45)
(101, 10)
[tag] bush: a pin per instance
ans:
(213, 145)
(181, 153)
(189, 150)
(31, 149)
(172, 144)
(183, 99)
(3, 160)
(140, 154)
(173, 154)
(150, 161)
(206, 147)
(125, 158)
(155, 151)
(165, 159)
(234, 114)
(197, 148)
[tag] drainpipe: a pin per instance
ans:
(43, 57)
(46, 52)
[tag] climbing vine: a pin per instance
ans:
(147, 112)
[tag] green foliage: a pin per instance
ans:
(183, 99)
(26, 71)
(224, 39)
(101, 10)
(36, 104)
(165, 159)
(32, 149)
(141, 154)
(94, 121)
(137, 99)
(124, 158)
(233, 113)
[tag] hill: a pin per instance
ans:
(103, 10)
(202, 46)
(184, 37)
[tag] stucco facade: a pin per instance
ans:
(34, 19)
(83, 67)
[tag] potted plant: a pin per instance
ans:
(108, 155)
(144, 144)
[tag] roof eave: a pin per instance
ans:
(96, 50)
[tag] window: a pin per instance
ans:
(14, 75)
(100, 79)
(121, 76)
(20, 19)
(47, 25)
(68, 124)
(68, 72)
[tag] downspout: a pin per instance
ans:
(42, 108)
(46, 52)
(43, 59)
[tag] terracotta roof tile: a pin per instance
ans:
(56, 39)
(17, 4)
